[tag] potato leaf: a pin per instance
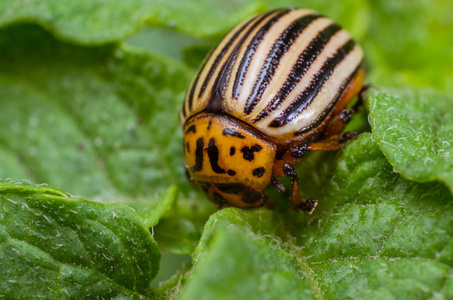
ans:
(414, 129)
(55, 246)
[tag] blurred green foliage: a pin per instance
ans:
(89, 99)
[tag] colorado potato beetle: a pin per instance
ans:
(277, 85)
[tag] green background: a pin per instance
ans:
(89, 99)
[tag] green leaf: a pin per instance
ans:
(179, 230)
(101, 122)
(176, 266)
(259, 222)
(152, 213)
(99, 22)
(176, 235)
(193, 56)
(238, 258)
(409, 43)
(106, 117)
(171, 43)
(414, 130)
(91, 115)
(55, 246)
(377, 234)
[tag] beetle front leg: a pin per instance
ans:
(361, 97)
(343, 118)
(332, 143)
(297, 204)
(339, 123)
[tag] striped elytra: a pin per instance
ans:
(281, 72)
(282, 80)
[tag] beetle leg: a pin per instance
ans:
(277, 184)
(347, 136)
(297, 204)
(332, 143)
(344, 117)
(361, 97)
(339, 122)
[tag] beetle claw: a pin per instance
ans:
(308, 205)
(347, 136)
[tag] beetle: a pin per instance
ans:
(276, 86)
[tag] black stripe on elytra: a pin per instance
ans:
(248, 153)
(213, 153)
(191, 128)
(232, 132)
(219, 57)
(198, 156)
(303, 63)
(250, 51)
(274, 57)
(306, 97)
(331, 105)
(221, 81)
(183, 110)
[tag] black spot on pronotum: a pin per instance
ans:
(232, 132)
(191, 128)
(258, 172)
(209, 124)
(232, 151)
(187, 147)
(219, 199)
(230, 188)
(231, 172)
(213, 153)
(198, 155)
(248, 153)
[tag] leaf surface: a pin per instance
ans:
(414, 129)
(55, 246)
(374, 234)
(105, 117)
